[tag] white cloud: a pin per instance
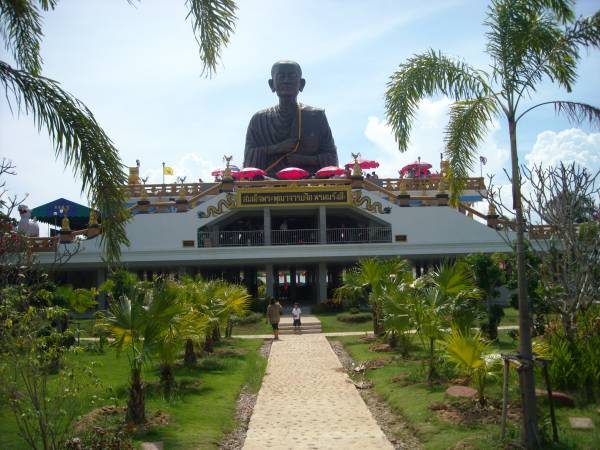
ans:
(427, 141)
(572, 145)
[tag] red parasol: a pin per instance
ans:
(330, 171)
(249, 172)
(219, 172)
(292, 173)
(418, 166)
(364, 164)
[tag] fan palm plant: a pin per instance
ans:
(427, 313)
(72, 127)
(457, 290)
(528, 41)
(173, 324)
(373, 277)
(471, 353)
(128, 324)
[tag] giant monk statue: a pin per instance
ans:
(289, 134)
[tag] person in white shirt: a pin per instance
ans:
(296, 313)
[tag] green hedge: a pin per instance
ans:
(355, 317)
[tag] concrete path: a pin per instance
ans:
(308, 402)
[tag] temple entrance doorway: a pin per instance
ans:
(296, 284)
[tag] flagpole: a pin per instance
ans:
(163, 173)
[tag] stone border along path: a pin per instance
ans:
(307, 401)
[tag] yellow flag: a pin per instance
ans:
(167, 170)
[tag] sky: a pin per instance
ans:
(137, 68)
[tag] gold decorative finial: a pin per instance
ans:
(227, 172)
(402, 185)
(356, 170)
(65, 224)
(442, 185)
(492, 210)
(93, 218)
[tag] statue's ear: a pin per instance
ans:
(271, 85)
(302, 84)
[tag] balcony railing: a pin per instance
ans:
(358, 235)
(231, 238)
(306, 236)
(295, 237)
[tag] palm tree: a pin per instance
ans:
(528, 40)
(127, 323)
(71, 125)
(372, 278)
(456, 287)
(470, 353)
(174, 323)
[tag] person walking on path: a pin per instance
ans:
(273, 316)
(296, 313)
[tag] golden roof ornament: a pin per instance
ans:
(402, 185)
(227, 172)
(356, 170)
(492, 210)
(65, 224)
(93, 218)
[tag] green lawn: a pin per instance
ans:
(511, 316)
(260, 327)
(199, 416)
(330, 324)
(412, 398)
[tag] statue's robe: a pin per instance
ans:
(268, 127)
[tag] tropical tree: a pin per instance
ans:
(374, 277)
(471, 354)
(72, 127)
(528, 41)
(132, 328)
(175, 323)
(488, 278)
(457, 291)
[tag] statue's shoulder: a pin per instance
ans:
(266, 112)
(312, 110)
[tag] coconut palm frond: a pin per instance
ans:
(213, 22)
(425, 75)
(21, 28)
(81, 142)
(578, 113)
(468, 125)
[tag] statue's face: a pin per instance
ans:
(286, 80)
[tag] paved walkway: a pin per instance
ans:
(307, 402)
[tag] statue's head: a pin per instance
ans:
(286, 78)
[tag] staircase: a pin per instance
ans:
(310, 324)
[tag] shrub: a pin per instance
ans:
(259, 305)
(252, 317)
(328, 306)
(355, 318)
(576, 362)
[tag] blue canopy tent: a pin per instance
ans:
(53, 212)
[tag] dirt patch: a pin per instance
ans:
(234, 440)
(395, 427)
(98, 417)
(469, 412)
